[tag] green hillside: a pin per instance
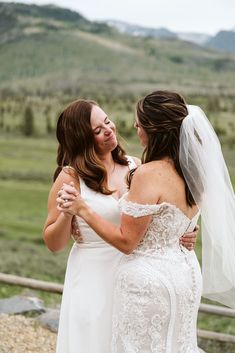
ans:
(46, 49)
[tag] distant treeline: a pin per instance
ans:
(37, 116)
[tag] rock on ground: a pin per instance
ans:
(21, 304)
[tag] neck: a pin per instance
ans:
(108, 162)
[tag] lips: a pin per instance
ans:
(111, 137)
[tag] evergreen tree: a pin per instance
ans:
(28, 127)
(49, 127)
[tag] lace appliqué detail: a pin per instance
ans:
(135, 209)
(168, 224)
(76, 234)
(141, 316)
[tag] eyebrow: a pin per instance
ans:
(99, 126)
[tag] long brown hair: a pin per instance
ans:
(160, 114)
(77, 146)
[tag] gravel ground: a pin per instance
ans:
(19, 334)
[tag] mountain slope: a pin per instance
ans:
(17, 19)
(136, 30)
(197, 38)
(224, 40)
(47, 50)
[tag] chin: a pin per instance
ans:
(114, 145)
(142, 142)
(110, 146)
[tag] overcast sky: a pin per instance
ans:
(203, 16)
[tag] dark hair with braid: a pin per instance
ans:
(77, 146)
(160, 114)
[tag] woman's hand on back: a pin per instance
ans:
(188, 240)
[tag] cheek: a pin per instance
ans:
(142, 136)
(98, 140)
(139, 132)
(113, 127)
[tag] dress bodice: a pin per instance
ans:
(104, 205)
(168, 224)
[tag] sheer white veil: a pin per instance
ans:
(207, 177)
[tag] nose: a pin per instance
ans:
(136, 125)
(108, 130)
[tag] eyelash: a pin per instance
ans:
(107, 122)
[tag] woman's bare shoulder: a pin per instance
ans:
(66, 176)
(153, 168)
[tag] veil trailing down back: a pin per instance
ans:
(208, 179)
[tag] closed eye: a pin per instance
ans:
(98, 131)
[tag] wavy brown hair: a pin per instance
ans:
(77, 146)
(160, 114)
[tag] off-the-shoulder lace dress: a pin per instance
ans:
(158, 286)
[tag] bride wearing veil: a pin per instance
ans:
(159, 283)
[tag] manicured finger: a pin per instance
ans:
(69, 197)
(59, 200)
(188, 243)
(70, 189)
(186, 239)
(67, 203)
(189, 236)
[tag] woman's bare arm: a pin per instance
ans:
(58, 225)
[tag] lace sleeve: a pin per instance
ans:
(136, 209)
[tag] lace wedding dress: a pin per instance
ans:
(158, 286)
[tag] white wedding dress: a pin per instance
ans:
(158, 287)
(86, 311)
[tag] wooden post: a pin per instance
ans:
(31, 283)
(216, 336)
(216, 310)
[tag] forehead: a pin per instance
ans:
(97, 116)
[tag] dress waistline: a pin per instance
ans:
(93, 245)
